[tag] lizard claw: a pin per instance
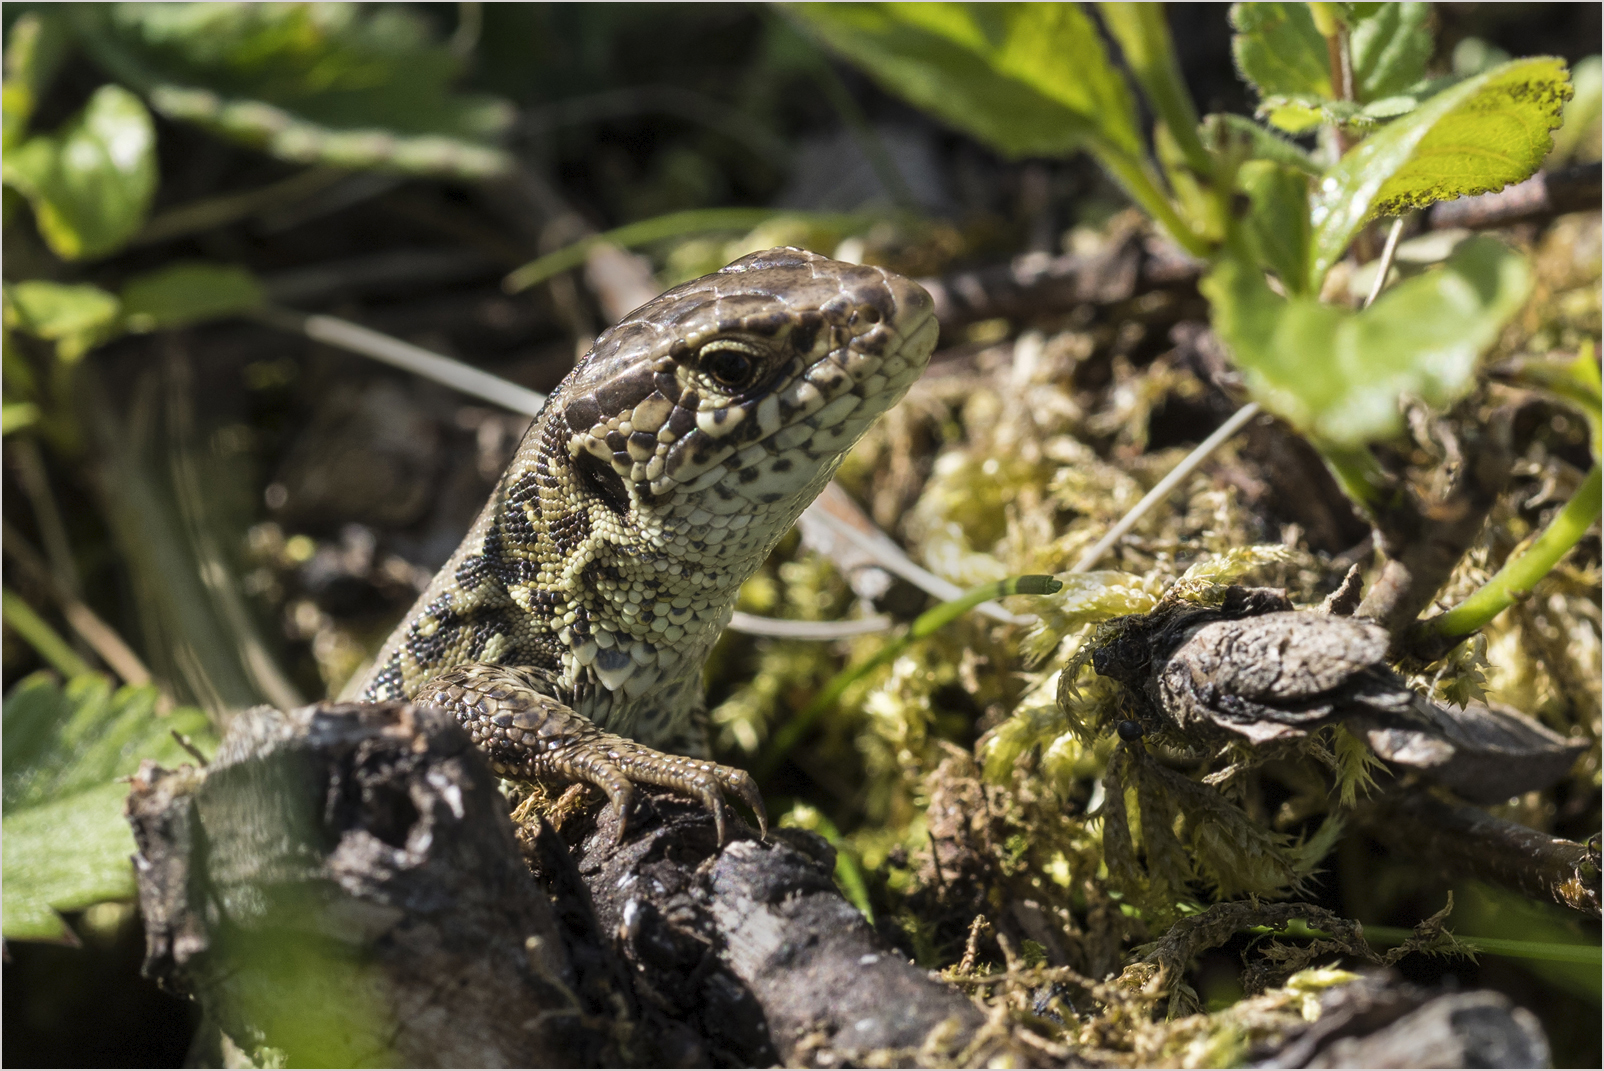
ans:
(530, 736)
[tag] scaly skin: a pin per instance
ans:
(568, 631)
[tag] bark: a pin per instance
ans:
(1545, 194)
(1424, 539)
(342, 884)
(1460, 840)
(1378, 1022)
(756, 947)
(1040, 283)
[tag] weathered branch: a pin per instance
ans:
(757, 934)
(1544, 195)
(1424, 540)
(342, 885)
(1038, 283)
(1463, 840)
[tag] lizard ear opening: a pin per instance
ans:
(602, 481)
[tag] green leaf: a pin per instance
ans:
(1580, 132)
(76, 318)
(1302, 114)
(67, 845)
(1026, 79)
(36, 44)
(1278, 50)
(1389, 49)
(14, 416)
(188, 293)
(64, 856)
(347, 85)
(1144, 38)
(1336, 374)
(90, 184)
(1278, 225)
(1483, 134)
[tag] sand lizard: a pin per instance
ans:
(568, 631)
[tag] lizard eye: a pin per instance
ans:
(729, 363)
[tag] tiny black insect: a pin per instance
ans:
(1129, 731)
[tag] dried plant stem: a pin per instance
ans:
(381, 347)
(1162, 490)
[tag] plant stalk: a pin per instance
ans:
(1522, 572)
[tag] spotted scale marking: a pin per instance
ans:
(658, 477)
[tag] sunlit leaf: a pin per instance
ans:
(187, 293)
(14, 416)
(350, 85)
(1278, 225)
(1278, 49)
(76, 318)
(35, 46)
(1027, 79)
(1483, 134)
(67, 844)
(91, 183)
(1336, 374)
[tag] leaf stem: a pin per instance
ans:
(1522, 572)
(1145, 39)
(924, 625)
(1360, 475)
(1138, 180)
(20, 617)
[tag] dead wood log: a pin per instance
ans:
(1464, 841)
(1379, 1021)
(755, 944)
(342, 884)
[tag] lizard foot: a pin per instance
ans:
(529, 735)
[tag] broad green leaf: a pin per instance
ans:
(1336, 374)
(66, 843)
(187, 293)
(90, 184)
(75, 317)
(1483, 134)
(1278, 225)
(63, 856)
(349, 85)
(1389, 49)
(1278, 49)
(1027, 79)
(35, 46)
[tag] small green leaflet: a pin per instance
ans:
(1336, 374)
(66, 843)
(91, 183)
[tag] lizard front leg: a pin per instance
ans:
(530, 735)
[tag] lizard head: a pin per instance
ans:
(709, 418)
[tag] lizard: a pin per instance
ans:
(567, 632)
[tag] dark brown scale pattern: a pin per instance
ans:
(567, 633)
